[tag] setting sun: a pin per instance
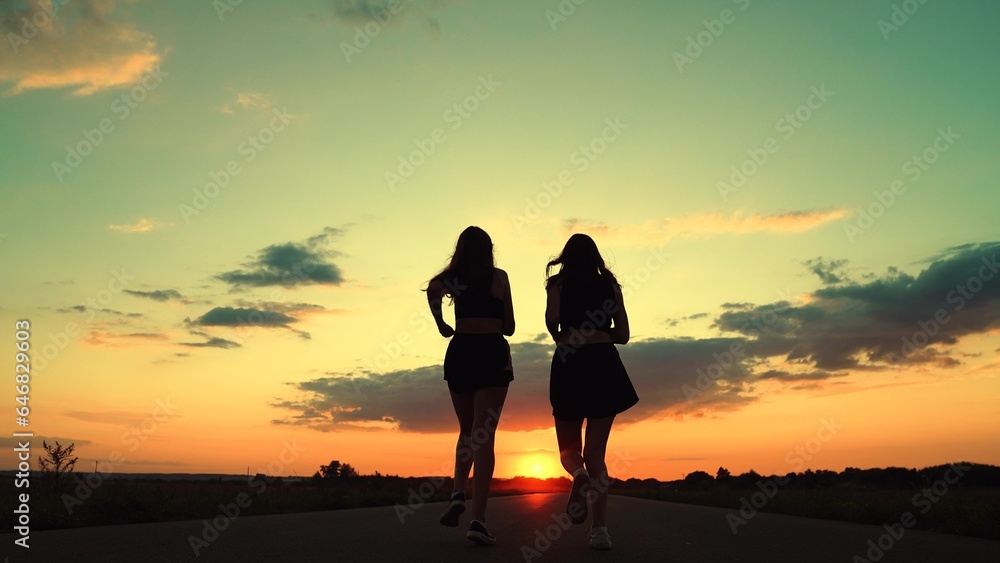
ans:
(540, 466)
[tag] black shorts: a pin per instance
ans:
(477, 361)
(589, 381)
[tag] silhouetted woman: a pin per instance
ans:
(477, 366)
(585, 315)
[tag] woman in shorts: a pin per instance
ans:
(585, 315)
(477, 366)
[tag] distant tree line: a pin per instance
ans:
(972, 475)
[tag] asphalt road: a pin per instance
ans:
(528, 528)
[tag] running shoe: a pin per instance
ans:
(479, 534)
(600, 539)
(455, 509)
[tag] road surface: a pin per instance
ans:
(527, 527)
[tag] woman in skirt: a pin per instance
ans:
(477, 366)
(585, 315)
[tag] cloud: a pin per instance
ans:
(71, 44)
(11, 443)
(230, 316)
(892, 320)
(691, 226)
(290, 264)
(829, 271)
(143, 225)
(83, 309)
(833, 333)
(117, 418)
(212, 342)
(417, 400)
(158, 295)
(245, 317)
(352, 13)
(118, 340)
(253, 100)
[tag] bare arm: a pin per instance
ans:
(620, 331)
(508, 306)
(435, 293)
(552, 310)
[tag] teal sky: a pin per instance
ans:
(555, 89)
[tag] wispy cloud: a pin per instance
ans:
(143, 225)
(692, 226)
(123, 340)
(212, 342)
(158, 295)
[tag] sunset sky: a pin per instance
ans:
(218, 218)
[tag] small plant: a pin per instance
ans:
(57, 460)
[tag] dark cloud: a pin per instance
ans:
(360, 12)
(230, 316)
(213, 342)
(84, 309)
(829, 271)
(290, 264)
(417, 400)
(157, 295)
(894, 319)
(787, 376)
(850, 327)
(245, 317)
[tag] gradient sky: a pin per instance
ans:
(228, 275)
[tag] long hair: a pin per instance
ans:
(472, 264)
(581, 261)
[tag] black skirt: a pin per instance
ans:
(477, 361)
(589, 381)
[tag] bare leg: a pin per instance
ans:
(464, 403)
(594, 451)
(570, 444)
(488, 404)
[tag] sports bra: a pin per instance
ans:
(478, 305)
